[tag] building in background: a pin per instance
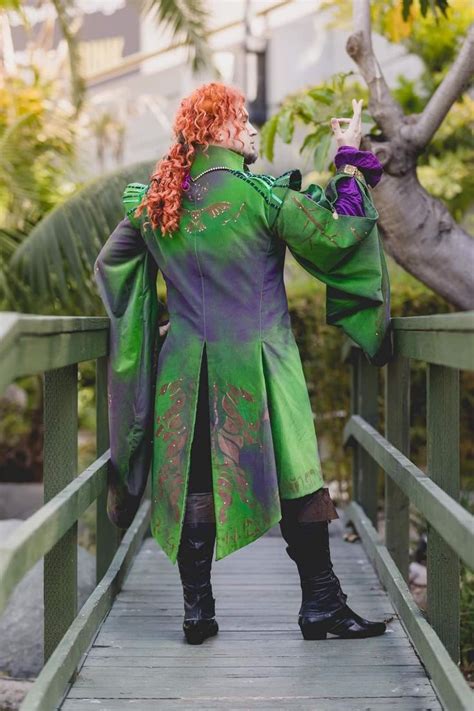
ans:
(137, 72)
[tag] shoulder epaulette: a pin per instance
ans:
(131, 198)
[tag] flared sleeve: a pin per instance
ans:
(125, 272)
(344, 251)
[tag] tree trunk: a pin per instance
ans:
(423, 238)
(418, 230)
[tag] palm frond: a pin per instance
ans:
(190, 19)
(55, 261)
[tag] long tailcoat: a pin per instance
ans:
(226, 300)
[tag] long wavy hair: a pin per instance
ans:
(200, 118)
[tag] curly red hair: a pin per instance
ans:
(199, 120)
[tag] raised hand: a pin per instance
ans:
(352, 135)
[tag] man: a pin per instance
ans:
(223, 410)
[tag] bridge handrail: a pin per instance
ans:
(59, 344)
(445, 342)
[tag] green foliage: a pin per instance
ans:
(435, 40)
(36, 156)
(398, 14)
(54, 264)
(425, 6)
(36, 148)
(407, 96)
(21, 431)
(445, 168)
(86, 395)
(313, 106)
(38, 132)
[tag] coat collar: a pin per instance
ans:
(215, 156)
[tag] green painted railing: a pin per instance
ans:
(53, 347)
(446, 344)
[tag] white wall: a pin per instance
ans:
(301, 52)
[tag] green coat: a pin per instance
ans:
(223, 270)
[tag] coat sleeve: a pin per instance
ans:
(342, 250)
(125, 272)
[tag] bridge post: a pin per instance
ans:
(365, 469)
(60, 468)
(397, 431)
(443, 567)
(108, 536)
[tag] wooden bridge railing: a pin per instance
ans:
(446, 344)
(53, 347)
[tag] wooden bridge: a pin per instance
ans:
(124, 648)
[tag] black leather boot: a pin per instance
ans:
(194, 563)
(323, 607)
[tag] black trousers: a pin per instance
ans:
(316, 506)
(200, 473)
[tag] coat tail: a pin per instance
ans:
(292, 423)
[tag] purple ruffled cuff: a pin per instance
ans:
(366, 161)
(349, 201)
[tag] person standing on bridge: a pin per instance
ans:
(214, 397)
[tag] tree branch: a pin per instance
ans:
(70, 35)
(450, 89)
(385, 110)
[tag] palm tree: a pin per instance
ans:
(188, 19)
(56, 258)
(45, 263)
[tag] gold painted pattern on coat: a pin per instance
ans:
(231, 436)
(195, 216)
(173, 430)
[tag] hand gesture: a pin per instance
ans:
(353, 134)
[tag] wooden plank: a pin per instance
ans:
(451, 348)
(53, 340)
(397, 431)
(443, 467)
(453, 522)
(446, 676)
(259, 658)
(298, 702)
(14, 325)
(60, 468)
(242, 682)
(50, 685)
(400, 654)
(457, 321)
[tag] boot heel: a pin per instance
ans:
(196, 632)
(313, 631)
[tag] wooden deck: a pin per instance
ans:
(258, 660)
